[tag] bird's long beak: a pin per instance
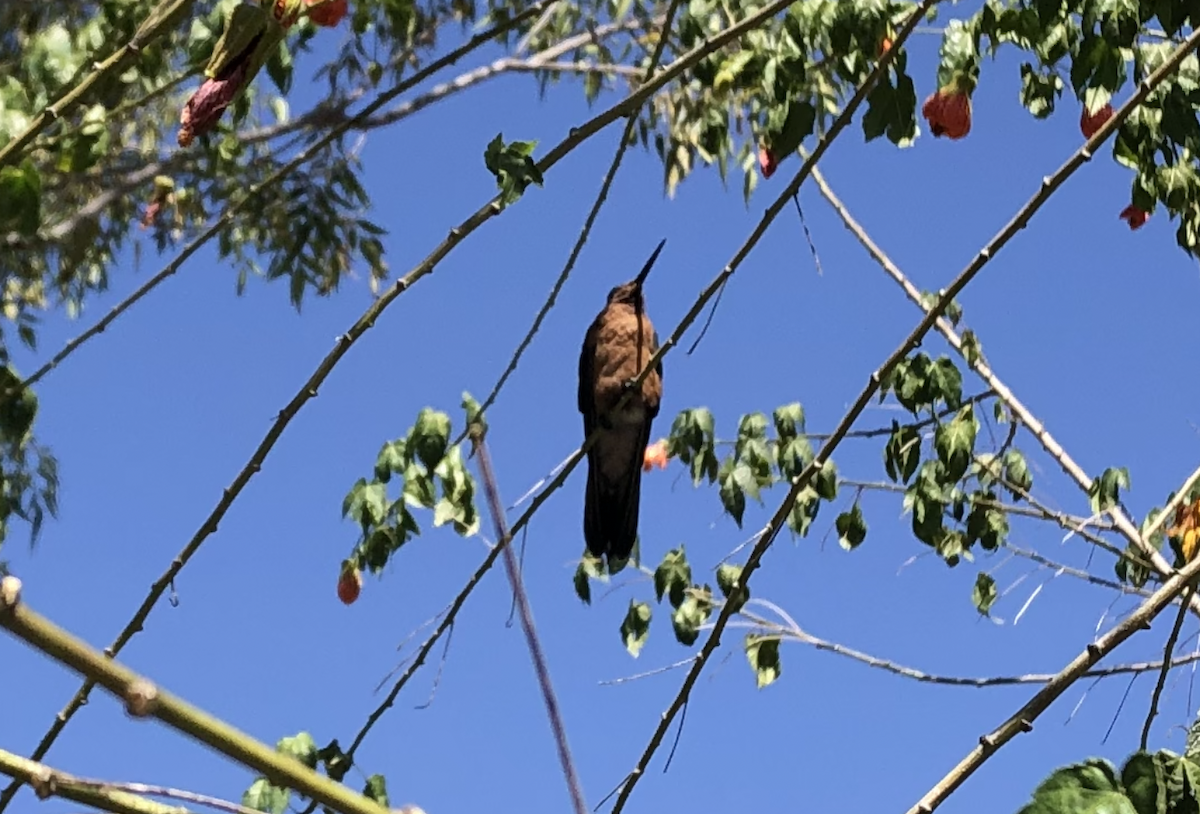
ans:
(641, 278)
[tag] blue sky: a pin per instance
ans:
(1085, 320)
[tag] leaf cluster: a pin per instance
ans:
(265, 796)
(431, 474)
(1159, 782)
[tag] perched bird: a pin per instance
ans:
(619, 343)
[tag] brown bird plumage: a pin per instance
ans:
(618, 344)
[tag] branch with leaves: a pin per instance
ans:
(365, 322)
(1144, 544)
(884, 377)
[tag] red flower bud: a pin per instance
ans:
(885, 46)
(329, 13)
(1090, 123)
(349, 585)
(1136, 218)
(948, 112)
(767, 161)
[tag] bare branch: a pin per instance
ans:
(574, 786)
(143, 699)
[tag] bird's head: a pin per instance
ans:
(630, 293)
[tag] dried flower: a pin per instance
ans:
(203, 110)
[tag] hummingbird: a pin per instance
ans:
(618, 344)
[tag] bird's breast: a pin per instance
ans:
(624, 345)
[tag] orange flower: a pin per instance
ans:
(1089, 124)
(329, 13)
(1136, 218)
(349, 585)
(885, 45)
(767, 161)
(948, 112)
(655, 455)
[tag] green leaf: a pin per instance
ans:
(945, 382)
(1130, 568)
(263, 796)
(986, 523)
(376, 789)
(391, 460)
(733, 497)
(301, 746)
(691, 440)
(763, 654)
(583, 588)
(891, 110)
(902, 453)
(789, 421)
(20, 199)
(334, 760)
(1040, 90)
(1106, 489)
(792, 456)
(475, 418)
(1144, 779)
(984, 594)
(690, 615)
(797, 126)
(728, 581)
(825, 482)
(954, 443)
(374, 504)
(673, 576)
(804, 511)
(636, 627)
(851, 528)
(1090, 787)
(17, 411)
(513, 166)
(971, 349)
(429, 437)
(1016, 474)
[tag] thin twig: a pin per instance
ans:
(1166, 668)
(50, 782)
(796, 634)
(526, 614)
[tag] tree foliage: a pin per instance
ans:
(93, 162)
